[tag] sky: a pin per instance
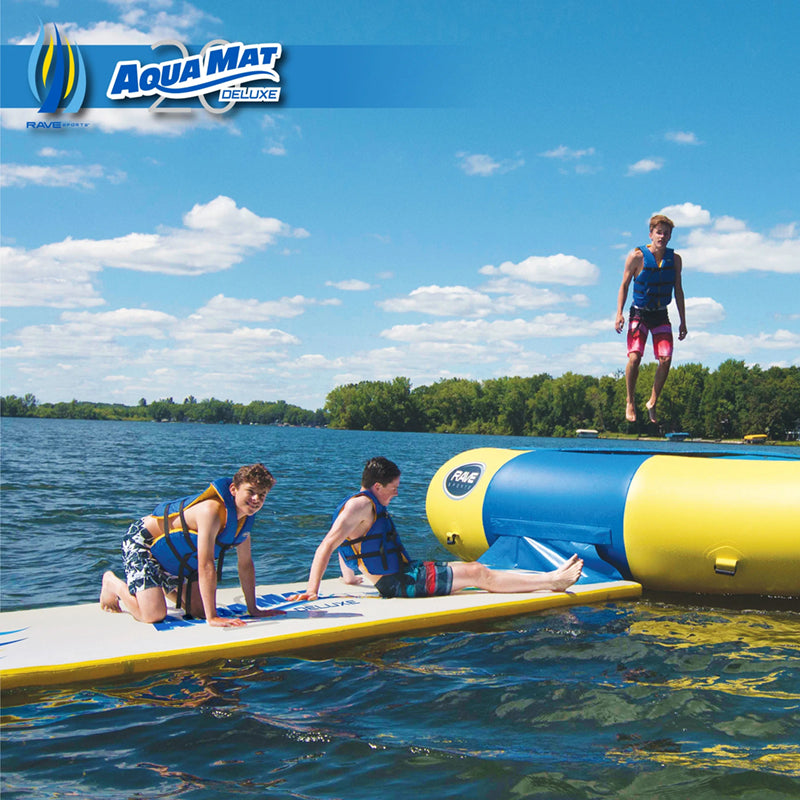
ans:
(455, 200)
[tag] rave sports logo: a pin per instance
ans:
(220, 70)
(56, 72)
(462, 480)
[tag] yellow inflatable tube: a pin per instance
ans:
(710, 523)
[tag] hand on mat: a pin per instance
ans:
(302, 596)
(225, 622)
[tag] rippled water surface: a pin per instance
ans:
(664, 697)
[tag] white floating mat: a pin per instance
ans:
(82, 643)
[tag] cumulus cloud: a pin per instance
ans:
(726, 244)
(700, 311)
(141, 23)
(645, 165)
(560, 268)
(65, 175)
(484, 165)
(737, 249)
(498, 333)
(351, 285)
(31, 278)
(565, 153)
(688, 215)
(134, 347)
(447, 301)
(222, 312)
(682, 137)
(215, 236)
(89, 336)
(703, 344)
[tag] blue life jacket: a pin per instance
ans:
(379, 551)
(176, 551)
(652, 287)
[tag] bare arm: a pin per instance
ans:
(349, 576)
(633, 265)
(208, 525)
(680, 301)
(356, 517)
(247, 577)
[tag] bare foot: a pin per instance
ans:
(109, 600)
(630, 412)
(651, 410)
(567, 574)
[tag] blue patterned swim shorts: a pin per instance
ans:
(420, 579)
(142, 571)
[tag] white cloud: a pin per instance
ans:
(499, 333)
(726, 224)
(701, 345)
(560, 268)
(51, 152)
(484, 165)
(726, 244)
(216, 235)
(83, 176)
(739, 250)
(87, 345)
(449, 301)
(565, 153)
(278, 131)
(646, 165)
(141, 23)
(682, 137)
(223, 312)
(351, 285)
(34, 279)
(518, 295)
(700, 311)
(787, 231)
(688, 215)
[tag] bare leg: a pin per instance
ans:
(475, 574)
(631, 376)
(658, 384)
(149, 605)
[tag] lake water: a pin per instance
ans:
(664, 697)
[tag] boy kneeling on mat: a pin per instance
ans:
(367, 541)
(171, 553)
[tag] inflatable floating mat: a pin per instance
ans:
(705, 523)
(82, 643)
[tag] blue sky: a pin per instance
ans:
(279, 251)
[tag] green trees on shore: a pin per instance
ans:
(728, 403)
(167, 410)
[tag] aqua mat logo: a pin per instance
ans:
(462, 480)
(56, 72)
(219, 70)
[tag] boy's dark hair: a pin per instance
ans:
(379, 470)
(257, 475)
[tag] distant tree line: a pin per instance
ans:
(209, 411)
(727, 403)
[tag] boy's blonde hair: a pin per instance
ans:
(660, 219)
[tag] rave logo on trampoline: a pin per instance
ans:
(460, 481)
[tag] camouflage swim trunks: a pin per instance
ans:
(142, 571)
